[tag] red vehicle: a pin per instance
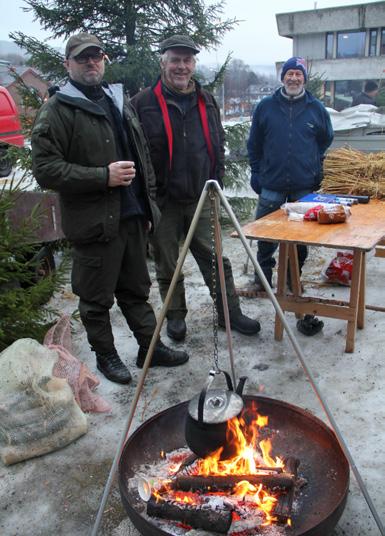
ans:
(10, 130)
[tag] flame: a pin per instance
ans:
(248, 460)
(186, 497)
(259, 497)
(252, 456)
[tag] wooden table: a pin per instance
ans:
(362, 232)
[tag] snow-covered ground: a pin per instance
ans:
(59, 493)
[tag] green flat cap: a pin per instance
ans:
(178, 41)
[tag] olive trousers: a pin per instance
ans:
(103, 271)
(172, 230)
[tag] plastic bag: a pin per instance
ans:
(339, 270)
(333, 214)
(298, 207)
(312, 213)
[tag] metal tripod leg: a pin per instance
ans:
(246, 265)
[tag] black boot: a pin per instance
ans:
(310, 325)
(241, 323)
(258, 283)
(162, 356)
(176, 328)
(112, 367)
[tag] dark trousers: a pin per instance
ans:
(266, 250)
(172, 230)
(118, 268)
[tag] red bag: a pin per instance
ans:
(340, 269)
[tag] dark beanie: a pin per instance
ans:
(294, 63)
(370, 86)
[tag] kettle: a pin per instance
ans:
(208, 414)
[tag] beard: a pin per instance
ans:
(293, 90)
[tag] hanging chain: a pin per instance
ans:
(214, 279)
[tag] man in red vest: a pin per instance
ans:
(182, 124)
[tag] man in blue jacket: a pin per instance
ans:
(290, 133)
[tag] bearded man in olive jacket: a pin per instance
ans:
(182, 124)
(87, 145)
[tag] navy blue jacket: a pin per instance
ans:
(287, 143)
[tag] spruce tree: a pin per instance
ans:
(23, 289)
(130, 29)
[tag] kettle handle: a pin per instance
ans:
(241, 384)
(210, 379)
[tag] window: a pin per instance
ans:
(344, 91)
(350, 44)
(329, 45)
(372, 42)
(382, 51)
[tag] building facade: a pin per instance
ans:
(345, 46)
(28, 75)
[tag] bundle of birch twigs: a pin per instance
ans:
(347, 171)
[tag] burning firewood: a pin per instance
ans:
(223, 482)
(285, 500)
(197, 517)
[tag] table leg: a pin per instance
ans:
(281, 285)
(295, 277)
(354, 300)
(362, 297)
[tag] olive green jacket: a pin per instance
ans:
(72, 145)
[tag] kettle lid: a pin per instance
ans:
(219, 406)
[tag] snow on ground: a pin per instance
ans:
(59, 493)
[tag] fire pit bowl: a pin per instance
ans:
(299, 434)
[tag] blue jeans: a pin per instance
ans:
(269, 201)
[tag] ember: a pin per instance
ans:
(243, 495)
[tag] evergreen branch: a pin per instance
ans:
(45, 58)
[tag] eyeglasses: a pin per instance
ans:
(96, 57)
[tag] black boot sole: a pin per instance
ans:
(156, 362)
(248, 332)
(140, 364)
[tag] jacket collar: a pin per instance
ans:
(74, 97)
(277, 95)
(198, 87)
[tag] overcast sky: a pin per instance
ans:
(255, 40)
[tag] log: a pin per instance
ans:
(285, 500)
(219, 483)
(191, 515)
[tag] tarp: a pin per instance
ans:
(361, 116)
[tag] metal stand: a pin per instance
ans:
(213, 186)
